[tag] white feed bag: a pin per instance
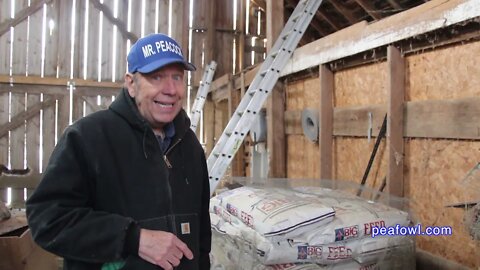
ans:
(270, 212)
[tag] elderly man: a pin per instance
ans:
(127, 187)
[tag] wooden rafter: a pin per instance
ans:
(361, 37)
(22, 15)
(326, 18)
(20, 118)
(347, 13)
(395, 5)
(119, 23)
(319, 28)
(370, 9)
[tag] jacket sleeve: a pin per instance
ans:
(205, 226)
(61, 215)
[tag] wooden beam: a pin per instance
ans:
(37, 80)
(22, 15)
(370, 9)
(345, 12)
(325, 134)
(275, 21)
(442, 119)
(276, 132)
(276, 101)
(450, 119)
(20, 118)
(354, 120)
(30, 180)
(396, 88)
(433, 15)
(119, 23)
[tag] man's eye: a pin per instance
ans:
(177, 77)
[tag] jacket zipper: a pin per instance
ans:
(169, 189)
(165, 158)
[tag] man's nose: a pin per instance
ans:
(169, 87)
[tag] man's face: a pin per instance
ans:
(159, 94)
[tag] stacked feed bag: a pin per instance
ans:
(272, 226)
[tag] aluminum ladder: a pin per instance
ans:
(258, 91)
(202, 95)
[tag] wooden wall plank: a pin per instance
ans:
(94, 37)
(121, 44)
(79, 36)
(5, 39)
(4, 108)
(52, 40)
(447, 119)
(17, 152)
(325, 133)
(223, 47)
(107, 45)
(33, 138)
(354, 120)
(18, 120)
(48, 132)
(209, 124)
(20, 43)
(63, 113)
(77, 107)
(34, 57)
(90, 105)
(179, 23)
(150, 11)
(105, 101)
(136, 22)
(162, 8)
(396, 90)
(203, 34)
(64, 32)
(455, 119)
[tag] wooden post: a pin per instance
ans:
(276, 102)
(325, 133)
(396, 88)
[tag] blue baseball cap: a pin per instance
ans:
(155, 51)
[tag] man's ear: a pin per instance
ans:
(129, 84)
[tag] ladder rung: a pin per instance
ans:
(294, 18)
(287, 34)
(274, 54)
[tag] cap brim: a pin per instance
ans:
(164, 62)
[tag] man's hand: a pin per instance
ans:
(162, 248)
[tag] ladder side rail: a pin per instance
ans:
(202, 95)
(233, 142)
(258, 91)
(254, 86)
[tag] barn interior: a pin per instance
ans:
(380, 94)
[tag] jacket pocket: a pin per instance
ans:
(184, 226)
